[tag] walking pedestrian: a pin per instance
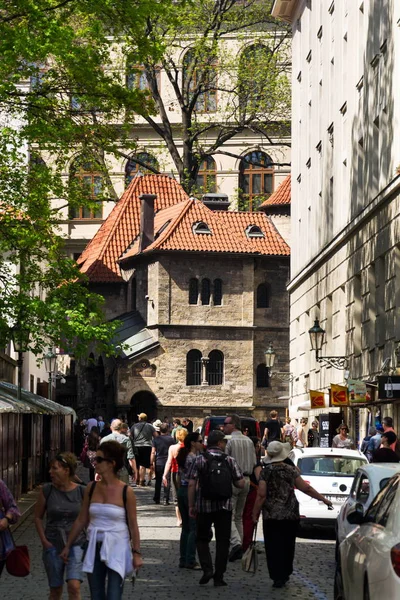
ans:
(92, 422)
(131, 466)
(61, 502)
(241, 448)
(92, 443)
(213, 472)
(158, 459)
(273, 429)
(385, 452)
(342, 440)
(109, 513)
(193, 444)
(280, 508)
(188, 424)
(313, 435)
(100, 423)
(289, 432)
(124, 440)
(388, 426)
(302, 434)
(106, 430)
(171, 466)
(142, 435)
(9, 515)
(248, 524)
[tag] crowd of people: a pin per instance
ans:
(226, 485)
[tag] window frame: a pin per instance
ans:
(216, 376)
(248, 169)
(218, 293)
(78, 172)
(203, 97)
(205, 294)
(128, 177)
(207, 173)
(262, 380)
(267, 288)
(193, 292)
(195, 373)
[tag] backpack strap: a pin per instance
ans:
(124, 499)
(47, 489)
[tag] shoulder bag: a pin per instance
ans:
(250, 557)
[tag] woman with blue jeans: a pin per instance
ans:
(109, 513)
(61, 501)
(193, 444)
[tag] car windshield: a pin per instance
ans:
(329, 466)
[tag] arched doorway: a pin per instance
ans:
(145, 402)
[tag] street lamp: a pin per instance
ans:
(50, 361)
(317, 337)
(269, 363)
(17, 336)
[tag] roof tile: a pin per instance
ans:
(281, 196)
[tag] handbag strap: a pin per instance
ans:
(255, 534)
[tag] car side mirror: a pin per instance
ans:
(356, 516)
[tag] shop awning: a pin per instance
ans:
(29, 403)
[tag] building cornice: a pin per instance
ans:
(285, 9)
(385, 195)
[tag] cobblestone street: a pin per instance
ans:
(161, 579)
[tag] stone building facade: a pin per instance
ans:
(345, 261)
(197, 309)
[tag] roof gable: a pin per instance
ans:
(281, 196)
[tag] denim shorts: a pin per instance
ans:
(56, 569)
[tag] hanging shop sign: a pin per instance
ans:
(338, 395)
(389, 387)
(357, 391)
(317, 399)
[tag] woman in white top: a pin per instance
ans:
(109, 513)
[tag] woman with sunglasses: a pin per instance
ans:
(193, 444)
(61, 501)
(109, 513)
(342, 440)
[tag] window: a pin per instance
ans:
(199, 77)
(193, 291)
(137, 76)
(193, 367)
(263, 293)
(206, 180)
(253, 231)
(132, 168)
(217, 292)
(363, 489)
(262, 376)
(256, 179)
(87, 174)
(215, 370)
(201, 227)
(205, 291)
(378, 511)
(256, 96)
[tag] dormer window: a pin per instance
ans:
(200, 227)
(253, 231)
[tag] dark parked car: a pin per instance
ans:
(217, 421)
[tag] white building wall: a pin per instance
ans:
(345, 188)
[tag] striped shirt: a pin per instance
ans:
(241, 448)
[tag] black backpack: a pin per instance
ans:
(216, 481)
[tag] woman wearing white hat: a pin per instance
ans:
(280, 510)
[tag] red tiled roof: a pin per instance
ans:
(99, 259)
(281, 196)
(228, 232)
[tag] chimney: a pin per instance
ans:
(146, 220)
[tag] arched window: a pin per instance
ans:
(262, 376)
(255, 73)
(217, 297)
(193, 367)
(205, 291)
(132, 167)
(87, 173)
(215, 368)
(263, 293)
(256, 179)
(193, 291)
(201, 228)
(206, 181)
(199, 76)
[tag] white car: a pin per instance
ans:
(369, 567)
(368, 481)
(331, 472)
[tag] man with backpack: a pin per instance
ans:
(215, 472)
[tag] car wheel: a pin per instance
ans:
(338, 593)
(366, 590)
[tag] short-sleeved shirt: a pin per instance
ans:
(142, 434)
(274, 430)
(337, 442)
(281, 502)
(122, 439)
(162, 444)
(200, 465)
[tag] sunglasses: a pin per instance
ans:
(62, 460)
(101, 459)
